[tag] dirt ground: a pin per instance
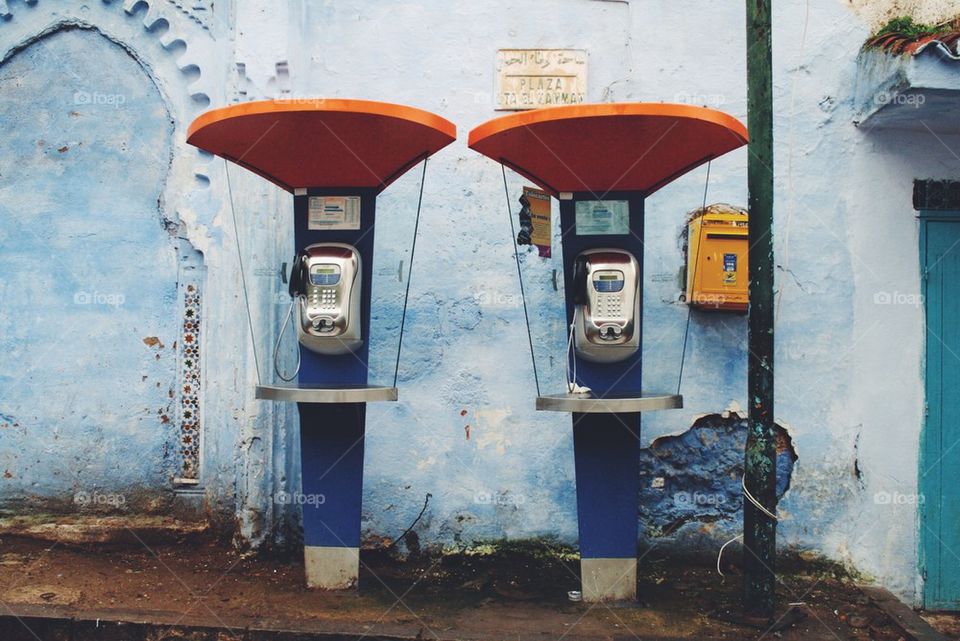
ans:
(516, 591)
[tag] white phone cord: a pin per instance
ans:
(756, 503)
(276, 347)
(571, 381)
(572, 386)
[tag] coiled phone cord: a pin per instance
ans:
(276, 347)
(572, 386)
(571, 380)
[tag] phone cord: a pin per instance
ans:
(276, 347)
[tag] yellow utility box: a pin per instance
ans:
(717, 274)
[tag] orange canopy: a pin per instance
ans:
(608, 147)
(322, 142)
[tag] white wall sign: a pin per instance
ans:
(533, 78)
(333, 212)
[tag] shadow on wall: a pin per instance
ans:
(693, 479)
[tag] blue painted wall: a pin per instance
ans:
(849, 364)
(88, 275)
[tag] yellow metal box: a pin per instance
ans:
(717, 273)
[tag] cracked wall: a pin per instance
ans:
(691, 481)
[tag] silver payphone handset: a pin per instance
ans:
(325, 301)
(606, 298)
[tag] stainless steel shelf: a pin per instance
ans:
(326, 393)
(610, 404)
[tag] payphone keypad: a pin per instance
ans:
(322, 295)
(608, 287)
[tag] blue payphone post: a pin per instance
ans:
(601, 161)
(335, 156)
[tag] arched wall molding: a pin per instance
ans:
(177, 51)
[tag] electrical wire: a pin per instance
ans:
(757, 504)
(413, 250)
(722, 548)
(243, 278)
(523, 297)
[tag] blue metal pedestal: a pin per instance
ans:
(332, 434)
(606, 446)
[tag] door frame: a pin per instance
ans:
(926, 509)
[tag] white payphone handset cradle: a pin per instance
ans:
(325, 281)
(606, 295)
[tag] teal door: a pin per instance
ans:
(940, 449)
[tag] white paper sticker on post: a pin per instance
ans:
(333, 212)
(602, 217)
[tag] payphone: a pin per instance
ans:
(334, 156)
(606, 299)
(325, 286)
(583, 151)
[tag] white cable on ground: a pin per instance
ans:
(720, 555)
(756, 504)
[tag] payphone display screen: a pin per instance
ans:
(609, 282)
(324, 274)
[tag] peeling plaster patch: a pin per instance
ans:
(695, 476)
(489, 427)
(879, 12)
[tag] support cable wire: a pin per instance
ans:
(523, 296)
(243, 278)
(696, 261)
(406, 295)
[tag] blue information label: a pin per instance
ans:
(729, 262)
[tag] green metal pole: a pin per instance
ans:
(760, 469)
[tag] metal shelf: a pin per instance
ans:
(609, 404)
(326, 393)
